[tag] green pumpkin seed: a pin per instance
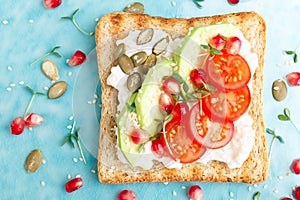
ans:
(160, 46)
(145, 36)
(34, 161)
(57, 90)
(125, 63)
(135, 7)
(279, 90)
(50, 70)
(139, 58)
(120, 49)
(134, 82)
(150, 62)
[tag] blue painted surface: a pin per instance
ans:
(22, 42)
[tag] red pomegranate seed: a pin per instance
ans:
(286, 198)
(33, 120)
(296, 166)
(297, 193)
(127, 195)
(74, 184)
(293, 78)
(195, 193)
(157, 148)
(233, 45)
(50, 4)
(166, 102)
(77, 59)
(171, 86)
(17, 126)
(218, 42)
(138, 136)
(198, 77)
(233, 1)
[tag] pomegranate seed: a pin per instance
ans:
(198, 77)
(77, 59)
(293, 78)
(33, 120)
(171, 86)
(233, 1)
(166, 102)
(74, 184)
(296, 166)
(17, 126)
(127, 195)
(286, 198)
(157, 148)
(138, 136)
(218, 42)
(50, 4)
(195, 193)
(233, 45)
(297, 193)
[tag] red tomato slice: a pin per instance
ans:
(227, 106)
(212, 135)
(180, 146)
(228, 71)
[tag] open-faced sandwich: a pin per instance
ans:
(182, 99)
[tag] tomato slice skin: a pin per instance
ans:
(228, 71)
(227, 106)
(212, 135)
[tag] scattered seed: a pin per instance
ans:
(69, 127)
(33, 161)
(75, 160)
(12, 85)
(93, 171)
(30, 128)
(70, 74)
(96, 96)
(96, 19)
(280, 177)
(30, 21)
(174, 193)
(173, 3)
(50, 70)
(8, 89)
(166, 183)
(67, 61)
(94, 101)
(134, 81)
(71, 118)
(249, 188)
(89, 102)
(279, 90)
(255, 185)
(4, 22)
(119, 50)
(77, 176)
(231, 194)
(139, 58)
(160, 46)
(44, 161)
(265, 186)
(43, 183)
(57, 90)
(9, 68)
(81, 159)
(145, 36)
(135, 7)
(125, 63)
(288, 174)
(46, 88)
(275, 191)
(69, 176)
(21, 82)
(183, 187)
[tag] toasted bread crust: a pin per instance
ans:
(114, 26)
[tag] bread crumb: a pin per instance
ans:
(174, 193)
(43, 183)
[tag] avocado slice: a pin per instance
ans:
(187, 55)
(146, 102)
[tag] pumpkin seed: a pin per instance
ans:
(50, 70)
(57, 90)
(125, 63)
(135, 7)
(160, 46)
(150, 62)
(34, 161)
(120, 49)
(145, 36)
(279, 90)
(139, 58)
(134, 81)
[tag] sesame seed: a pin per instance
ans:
(46, 88)
(4, 22)
(9, 68)
(174, 193)
(231, 199)
(249, 188)
(53, 81)
(8, 89)
(71, 118)
(183, 187)
(173, 3)
(265, 186)
(69, 127)
(44, 161)
(69, 176)
(96, 19)
(21, 82)
(81, 159)
(96, 96)
(89, 102)
(12, 85)
(231, 194)
(255, 185)
(67, 61)
(75, 160)
(94, 101)
(30, 128)
(30, 21)
(43, 183)
(275, 191)
(166, 183)
(70, 74)
(77, 176)
(280, 177)
(93, 171)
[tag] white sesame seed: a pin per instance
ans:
(231, 199)
(69, 127)
(44, 161)
(75, 160)
(77, 176)
(21, 82)
(183, 187)
(81, 159)
(12, 85)
(275, 191)
(53, 81)
(265, 186)
(280, 177)
(96, 96)
(89, 102)
(94, 101)
(46, 88)
(96, 19)
(249, 188)
(69, 176)
(4, 22)
(174, 193)
(30, 21)
(91, 33)
(93, 171)
(43, 183)
(70, 74)
(294, 188)
(231, 194)
(30, 128)
(8, 89)
(9, 68)
(67, 61)
(173, 3)
(255, 185)
(71, 118)
(166, 183)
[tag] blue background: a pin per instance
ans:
(22, 42)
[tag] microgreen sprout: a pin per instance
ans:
(256, 196)
(293, 53)
(52, 52)
(72, 18)
(198, 3)
(33, 93)
(212, 51)
(286, 116)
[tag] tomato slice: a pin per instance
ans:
(212, 135)
(227, 106)
(228, 71)
(179, 145)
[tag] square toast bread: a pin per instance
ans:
(117, 25)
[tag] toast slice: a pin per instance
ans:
(116, 25)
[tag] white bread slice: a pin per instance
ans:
(116, 25)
